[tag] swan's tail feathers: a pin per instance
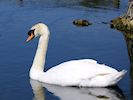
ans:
(123, 72)
(118, 77)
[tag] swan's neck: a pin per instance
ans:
(39, 60)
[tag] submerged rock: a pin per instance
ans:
(81, 22)
(105, 22)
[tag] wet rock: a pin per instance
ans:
(81, 22)
(125, 22)
(122, 24)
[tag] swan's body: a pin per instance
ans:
(85, 72)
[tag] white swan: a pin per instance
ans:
(84, 72)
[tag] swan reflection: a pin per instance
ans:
(72, 93)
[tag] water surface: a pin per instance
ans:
(67, 42)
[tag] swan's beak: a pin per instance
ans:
(30, 37)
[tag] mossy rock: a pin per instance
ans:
(81, 22)
(122, 24)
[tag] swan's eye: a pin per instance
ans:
(31, 32)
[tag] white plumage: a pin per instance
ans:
(84, 72)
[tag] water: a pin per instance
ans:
(67, 42)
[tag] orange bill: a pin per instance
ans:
(30, 37)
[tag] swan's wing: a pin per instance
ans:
(102, 80)
(75, 71)
(84, 66)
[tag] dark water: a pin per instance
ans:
(67, 42)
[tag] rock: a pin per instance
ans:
(125, 22)
(129, 13)
(131, 22)
(81, 22)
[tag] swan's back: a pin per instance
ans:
(80, 66)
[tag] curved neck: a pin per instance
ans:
(39, 60)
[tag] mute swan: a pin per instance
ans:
(84, 72)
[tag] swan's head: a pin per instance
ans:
(39, 29)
